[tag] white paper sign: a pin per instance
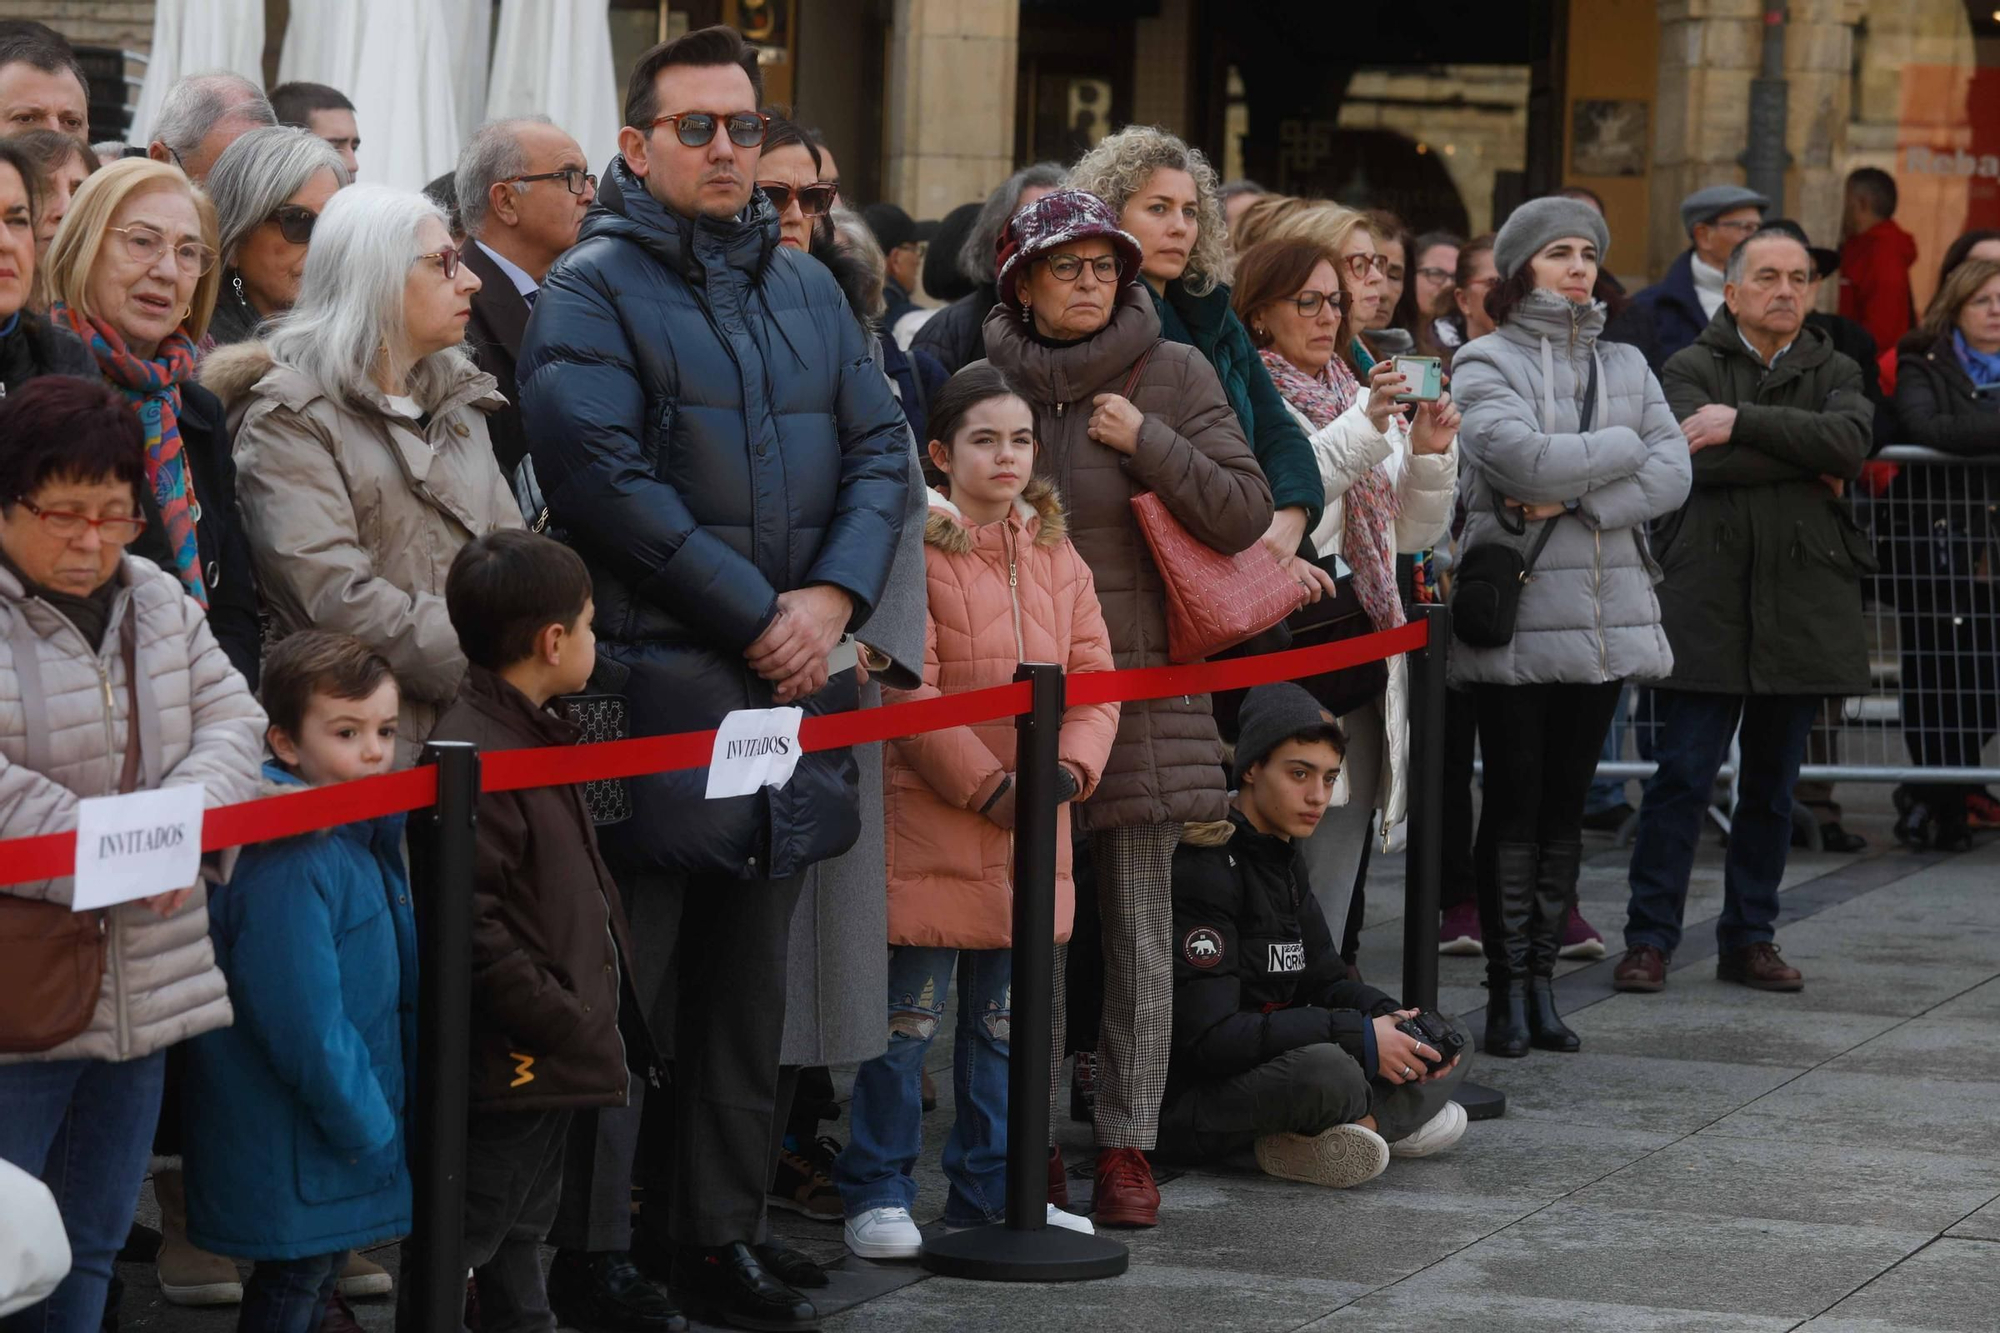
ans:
(754, 747)
(137, 845)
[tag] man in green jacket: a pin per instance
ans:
(1761, 600)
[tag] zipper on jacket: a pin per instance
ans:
(1014, 599)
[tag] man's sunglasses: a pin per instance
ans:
(814, 200)
(746, 129)
(295, 224)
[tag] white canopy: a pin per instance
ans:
(553, 57)
(196, 37)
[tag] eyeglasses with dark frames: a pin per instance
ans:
(295, 222)
(575, 179)
(119, 530)
(746, 129)
(1068, 268)
(145, 246)
(1310, 302)
(447, 258)
(1429, 274)
(814, 200)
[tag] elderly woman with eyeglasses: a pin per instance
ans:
(361, 435)
(133, 274)
(269, 188)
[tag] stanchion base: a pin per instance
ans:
(1480, 1102)
(1048, 1254)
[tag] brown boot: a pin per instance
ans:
(1758, 967)
(1643, 969)
(189, 1276)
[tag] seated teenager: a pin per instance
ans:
(1273, 1048)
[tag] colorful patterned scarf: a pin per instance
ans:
(1370, 505)
(154, 390)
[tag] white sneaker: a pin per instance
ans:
(1440, 1132)
(884, 1233)
(1338, 1158)
(1070, 1221)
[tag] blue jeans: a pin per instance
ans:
(289, 1295)
(885, 1124)
(1691, 742)
(86, 1128)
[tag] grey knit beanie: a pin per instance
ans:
(1539, 221)
(1272, 715)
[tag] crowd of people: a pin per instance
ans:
(298, 474)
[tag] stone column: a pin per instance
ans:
(950, 132)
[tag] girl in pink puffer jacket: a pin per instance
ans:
(1005, 587)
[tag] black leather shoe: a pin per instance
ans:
(606, 1293)
(729, 1284)
(791, 1267)
(1507, 1034)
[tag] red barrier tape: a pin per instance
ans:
(24, 860)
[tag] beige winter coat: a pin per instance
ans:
(64, 711)
(355, 511)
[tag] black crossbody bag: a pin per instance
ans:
(1486, 590)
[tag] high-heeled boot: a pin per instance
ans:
(1555, 890)
(1507, 967)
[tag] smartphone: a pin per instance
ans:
(1423, 377)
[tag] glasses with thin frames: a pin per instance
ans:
(1068, 268)
(118, 530)
(1440, 275)
(814, 200)
(145, 246)
(447, 258)
(1358, 265)
(746, 129)
(575, 179)
(295, 222)
(1310, 302)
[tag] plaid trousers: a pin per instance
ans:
(1135, 893)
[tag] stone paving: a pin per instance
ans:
(1714, 1159)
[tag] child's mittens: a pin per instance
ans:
(1066, 785)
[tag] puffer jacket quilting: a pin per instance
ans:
(198, 723)
(1000, 594)
(1588, 614)
(1166, 766)
(710, 430)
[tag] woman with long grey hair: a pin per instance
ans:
(361, 442)
(269, 188)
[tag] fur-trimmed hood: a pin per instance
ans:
(1039, 509)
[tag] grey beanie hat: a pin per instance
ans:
(1272, 715)
(1706, 205)
(1539, 221)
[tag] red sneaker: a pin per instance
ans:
(1126, 1194)
(1981, 810)
(1458, 932)
(1058, 1179)
(1580, 938)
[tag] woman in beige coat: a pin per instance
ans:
(90, 632)
(361, 449)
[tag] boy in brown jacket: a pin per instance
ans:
(554, 1025)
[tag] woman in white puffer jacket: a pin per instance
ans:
(1389, 489)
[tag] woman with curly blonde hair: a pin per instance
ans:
(1166, 194)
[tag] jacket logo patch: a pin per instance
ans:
(523, 1064)
(1202, 947)
(1289, 956)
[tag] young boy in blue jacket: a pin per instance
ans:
(294, 1123)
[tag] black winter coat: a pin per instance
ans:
(955, 335)
(709, 431)
(36, 347)
(1256, 972)
(1938, 404)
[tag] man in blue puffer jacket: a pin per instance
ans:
(709, 432)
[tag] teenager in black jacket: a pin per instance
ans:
(1273, 1048)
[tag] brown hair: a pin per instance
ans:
(318, 662)
(1961, 286)
(718, 45)
(1271, 271)
(505, 588)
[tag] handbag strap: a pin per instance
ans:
(1589, 412)
(128, 647)
(1138, 369)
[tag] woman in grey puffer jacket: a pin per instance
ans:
(1588, 617)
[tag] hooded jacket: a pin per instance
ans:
(709, 431)
(555, 1022)
(1256, 972)
(1875, 281)
(1588, 614)
(1166, 764)
(1000, 594)
(354, 513)
(295, 1132)
(1762, 593)
(64, 712)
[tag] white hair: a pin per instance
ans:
(349, 314)
(493, 154)
(197, 103)
(259, 172)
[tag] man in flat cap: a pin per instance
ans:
(1671, 313)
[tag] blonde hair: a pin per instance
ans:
(1329, 226)
(80, 239)
(1255, 223)
(1960, 286)
(1119, 167)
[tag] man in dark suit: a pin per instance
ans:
(523, 188)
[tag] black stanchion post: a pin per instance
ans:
(1423, 865)
(1025, 1248)
(433, 1275)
